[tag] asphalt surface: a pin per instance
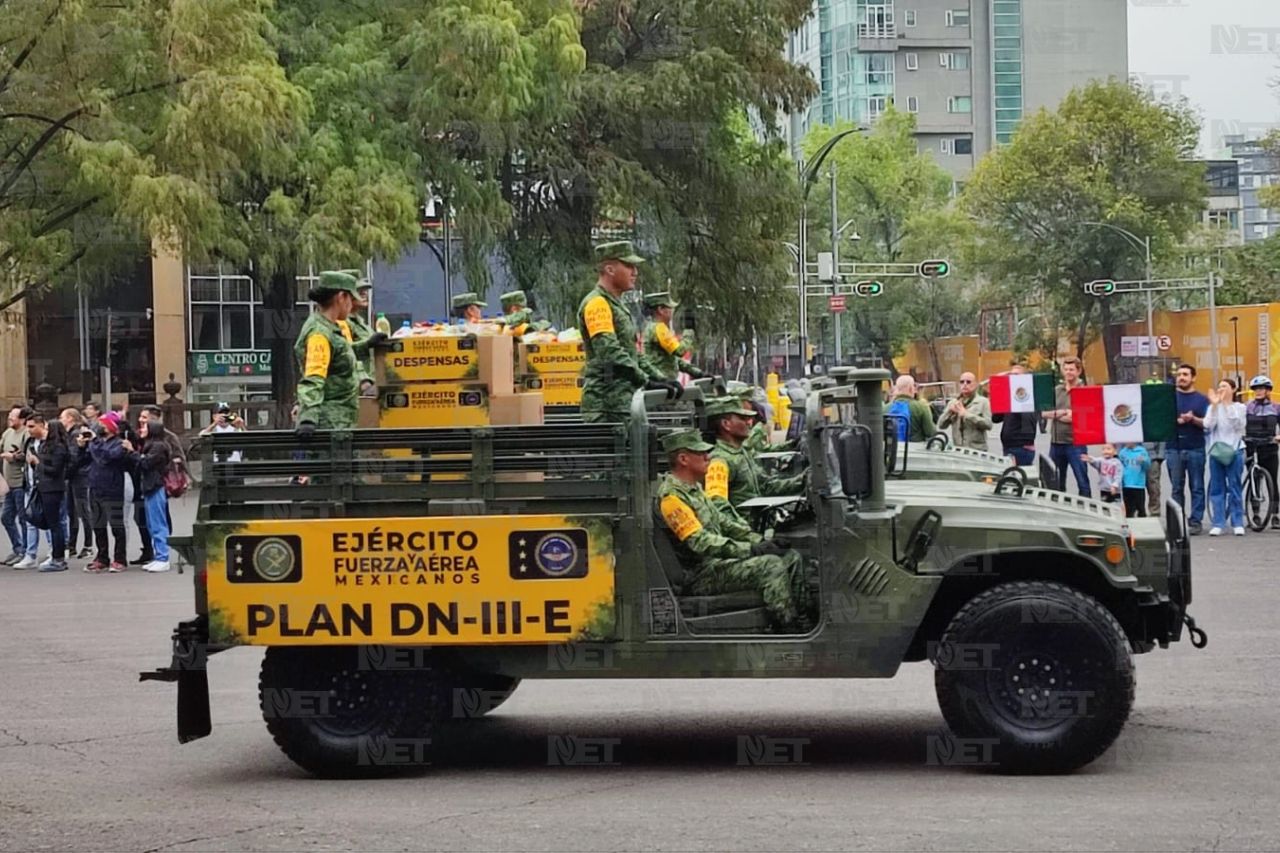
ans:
(89, 759)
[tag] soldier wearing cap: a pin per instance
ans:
(734, 475)
(719, 549)
(662, 347)
(329, 387)
(614, 370)
(364, 340)
(517, 314)
(467, 306)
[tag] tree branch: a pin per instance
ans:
(34, 289)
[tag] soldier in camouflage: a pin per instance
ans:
(662, 348)
(468, 307)
(364, 340)
(329, 387)
(735, 476)
(614, 370)
(518, 316)
(719, 549)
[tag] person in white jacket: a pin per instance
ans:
(1225, 423)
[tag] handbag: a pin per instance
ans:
(34, 511)
(1222, 453)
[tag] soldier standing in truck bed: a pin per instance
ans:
(614, 370)
(329, 385)
(662, 347)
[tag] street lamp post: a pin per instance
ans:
(1145, 245)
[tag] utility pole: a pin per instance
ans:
(835, 256)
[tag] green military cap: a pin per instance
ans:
(720, 406)
(685, 439)
(661, 299)
(337, 280)
(620, 250)
(514, 297)
(462, 300)
(362, 283)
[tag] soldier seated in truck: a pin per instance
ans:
(721, 550)
(734, 474)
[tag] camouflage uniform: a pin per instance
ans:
(758, 442)
(361, 331)
(663, 349)
(329, 387)
(715, 545)
(518, 316)
(614, 370)
(735, 476)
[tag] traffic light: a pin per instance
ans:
(1101, 287)
(868, 288)
(935, 269)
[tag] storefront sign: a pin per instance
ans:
(246, 363)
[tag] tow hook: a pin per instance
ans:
(1198, 638)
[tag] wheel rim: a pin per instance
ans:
(357, 704)
(1041, 692)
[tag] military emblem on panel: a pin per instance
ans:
(548, 554)
(264, 559)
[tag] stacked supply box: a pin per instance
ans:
(450, 381)
(555, 369)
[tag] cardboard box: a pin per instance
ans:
(367, 418)
(524, 409)
(439, 358)
(497, 365)
(558, 389)
(551, 358)
(433, 404)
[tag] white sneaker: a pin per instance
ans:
(1216, 531)
(26, 563)
(47, 562)
(1239, 531)
(156, 566)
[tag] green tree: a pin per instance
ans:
(1111, 153)
(654, 138)
(899, 203)
(118, 122)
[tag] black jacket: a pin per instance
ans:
(151, 461)
(51, 473)
(1018, 429)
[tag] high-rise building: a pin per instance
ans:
(968, 69)
(1258, 168)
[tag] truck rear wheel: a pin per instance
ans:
(1034, 677)
(337, 718)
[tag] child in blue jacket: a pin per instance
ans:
(1136, 463)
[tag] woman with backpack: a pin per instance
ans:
(152, 461)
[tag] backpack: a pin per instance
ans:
(900, 411)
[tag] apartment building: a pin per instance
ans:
(969, 70)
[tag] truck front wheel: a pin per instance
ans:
(1033, 677)
(337, 714)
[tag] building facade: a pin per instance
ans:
(1225, 207)
(969, 70)
(1258, 168)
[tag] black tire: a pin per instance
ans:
(1259, 498)
(337, 718)
(474, 695)
(1005, 638)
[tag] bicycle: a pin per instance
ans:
(1259, 490)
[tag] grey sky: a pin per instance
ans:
(1221, 54)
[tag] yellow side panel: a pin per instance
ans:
(470, 580)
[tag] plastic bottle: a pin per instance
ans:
(382, 325)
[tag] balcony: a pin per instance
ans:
(877, 36)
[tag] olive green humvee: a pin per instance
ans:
(419, 575)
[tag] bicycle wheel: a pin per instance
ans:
(1260, 491)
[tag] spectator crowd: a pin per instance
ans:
(71, 480)
(1216, 437)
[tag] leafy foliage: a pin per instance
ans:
(899, 202)
(1111, 153)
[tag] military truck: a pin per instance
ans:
(420, 569)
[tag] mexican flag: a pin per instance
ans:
(1023, 392)
(1118, 414)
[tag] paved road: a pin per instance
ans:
(88, 757)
